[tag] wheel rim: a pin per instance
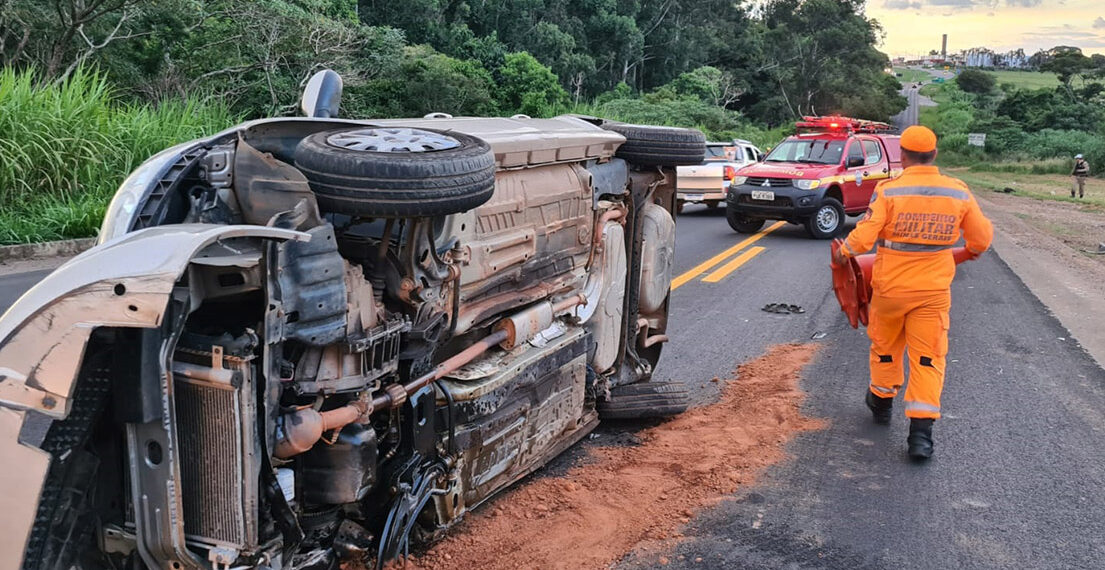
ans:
(392, 140)
(827, 219)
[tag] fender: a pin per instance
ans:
(126, 283)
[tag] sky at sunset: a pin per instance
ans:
(913, 27)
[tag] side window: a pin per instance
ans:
(873, 152)
(749, 154)
(855, 151)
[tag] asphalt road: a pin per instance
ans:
(910, 115)
(1017, 479)
(15, 284)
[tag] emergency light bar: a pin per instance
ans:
(836, 123)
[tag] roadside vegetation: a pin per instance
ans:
(1051, 187)
(90, 89)
(65, 147)
(1028, 131)
(1025, 79)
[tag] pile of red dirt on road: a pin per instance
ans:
(630, 496)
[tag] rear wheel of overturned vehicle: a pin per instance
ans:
(396, 172)
(827, 221)
(659, 146)
(743, 224)
(645, 400)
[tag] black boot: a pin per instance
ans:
(880, 407)
(920, 438)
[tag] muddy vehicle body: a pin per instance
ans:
(307, 340)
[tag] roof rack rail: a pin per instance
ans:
(816, 124)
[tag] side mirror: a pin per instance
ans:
(854, 161)
(322, 96)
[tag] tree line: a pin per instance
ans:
(1026, 124)
(769, 62)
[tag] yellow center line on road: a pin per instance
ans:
(733, 264)
(713, 261)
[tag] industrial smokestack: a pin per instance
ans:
(944, 48)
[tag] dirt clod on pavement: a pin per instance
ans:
(638, 497)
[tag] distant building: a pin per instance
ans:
(984, 57)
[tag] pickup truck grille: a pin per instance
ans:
(772, 182)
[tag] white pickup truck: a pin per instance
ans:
(706, 182)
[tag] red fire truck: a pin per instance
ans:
(826, 171)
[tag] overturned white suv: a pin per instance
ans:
(306, 340)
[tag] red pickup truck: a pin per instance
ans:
(826, 171)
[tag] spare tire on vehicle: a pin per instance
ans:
(396, 171)
(659, 146)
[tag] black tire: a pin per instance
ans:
(645, 400)
(713, 204)
(743, 224)
(820, 225)
(659, 146)
(397, 183)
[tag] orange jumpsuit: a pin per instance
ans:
(915, 220)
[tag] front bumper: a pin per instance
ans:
(124, 283)
(789, 202)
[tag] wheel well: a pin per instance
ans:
(834, 192)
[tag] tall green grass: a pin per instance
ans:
(65, 147)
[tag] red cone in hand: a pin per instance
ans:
(852, 280)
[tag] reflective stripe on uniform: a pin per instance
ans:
(926, 191)
(883, 390)
(921, 407)
(849, 249)
(903, 246)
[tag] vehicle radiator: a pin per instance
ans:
(218, 477)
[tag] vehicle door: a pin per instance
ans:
(876, 167)
(855, 177)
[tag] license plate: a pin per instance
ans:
(692, 197)
(763, 195)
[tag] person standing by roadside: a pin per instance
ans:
(916, 220)
(1080, 173)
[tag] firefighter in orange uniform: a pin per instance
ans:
(915, 220)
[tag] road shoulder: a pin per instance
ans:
(1068, 283)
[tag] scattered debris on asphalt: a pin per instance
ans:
(783, 308)
(818, 335)
(636, 498)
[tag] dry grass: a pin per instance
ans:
(1049, 187)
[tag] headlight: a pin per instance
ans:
(738, 180)
(808, 184)
(124, 206)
